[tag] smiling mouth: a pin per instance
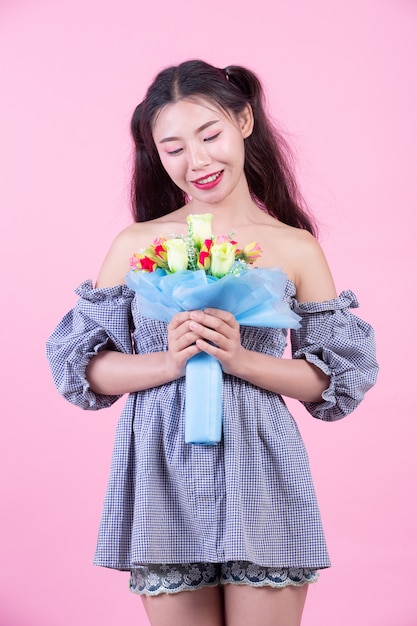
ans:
(208, 180)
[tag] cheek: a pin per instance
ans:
(172, 168)
(234, 149)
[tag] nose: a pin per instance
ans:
(198, 158)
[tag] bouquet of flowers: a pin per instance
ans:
(196, 271)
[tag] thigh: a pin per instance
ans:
(246, 605)
(202, 607)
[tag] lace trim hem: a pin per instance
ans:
(155, 579)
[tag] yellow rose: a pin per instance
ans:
(177, 257)
(222, 258)
(199, 227)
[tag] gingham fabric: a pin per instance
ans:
(248, 498)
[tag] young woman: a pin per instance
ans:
(231, 533)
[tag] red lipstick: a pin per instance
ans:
(209, 181)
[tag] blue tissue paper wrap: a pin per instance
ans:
(255, 298)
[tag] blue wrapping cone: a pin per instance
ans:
(203, 400)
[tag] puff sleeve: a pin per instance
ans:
(341, 345)
(100, 320)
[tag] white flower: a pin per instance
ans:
(199, 227)
(222, 258)
(177, 255)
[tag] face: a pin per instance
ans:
(202, 147)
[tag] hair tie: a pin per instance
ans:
(226, 73)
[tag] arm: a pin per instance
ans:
(219, 336)
(334, 362)
(297, 379)
(100, 321)
(114, 373)
(292, 378)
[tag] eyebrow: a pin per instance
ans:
(199, 130)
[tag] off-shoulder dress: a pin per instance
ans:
(251, 496)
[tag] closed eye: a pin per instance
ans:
(174, 152)
(212, 137)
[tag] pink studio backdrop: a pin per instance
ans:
(340, 78)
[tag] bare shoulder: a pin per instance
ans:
(311, 273)
(297, 253)
(116, 263)
(130, 240)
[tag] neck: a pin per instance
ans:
(235, 210)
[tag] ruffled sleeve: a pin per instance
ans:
(341, 345)
(100, 320)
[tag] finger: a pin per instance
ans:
(184, 341)
(226, 316)
(222, 338)
(178, 319)
(213, 318)
(182, 336)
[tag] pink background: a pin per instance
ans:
(341, 79)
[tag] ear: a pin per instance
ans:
(245, 120)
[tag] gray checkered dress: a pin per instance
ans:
(251, 496)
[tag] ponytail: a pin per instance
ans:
(268, 159)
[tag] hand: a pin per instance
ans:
(217, 333)
(181, 343)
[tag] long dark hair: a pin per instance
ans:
(267, 157)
